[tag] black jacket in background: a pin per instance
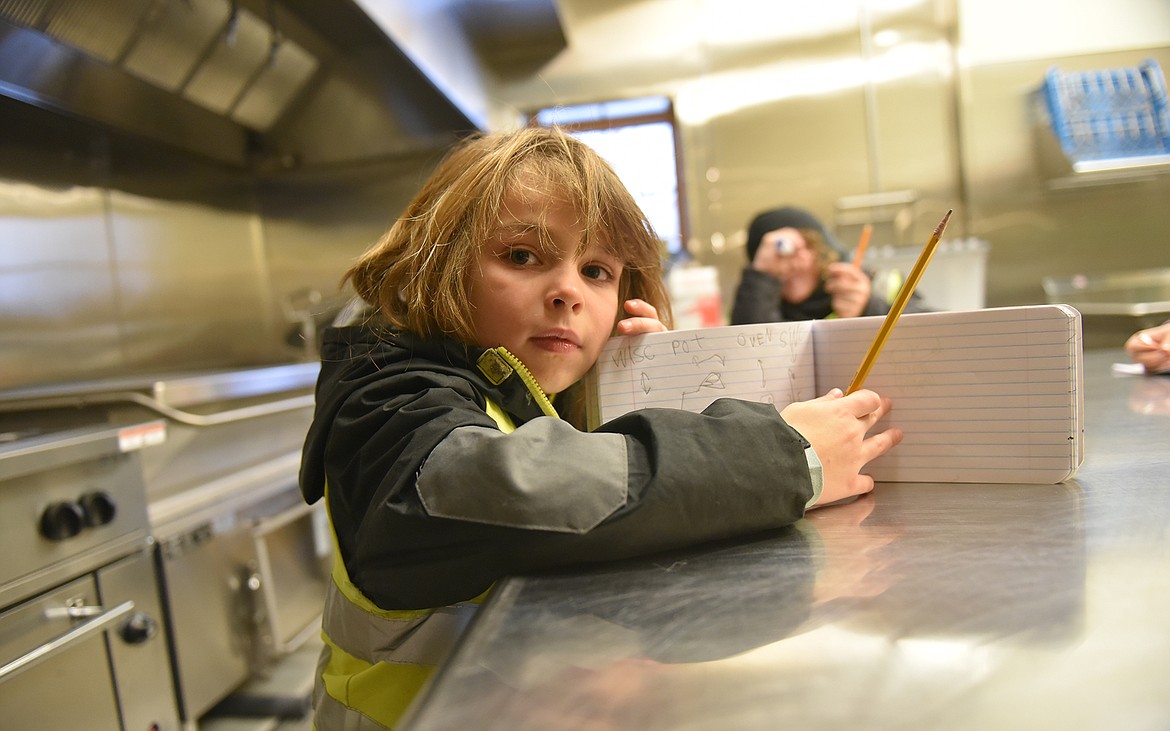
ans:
(757, 299)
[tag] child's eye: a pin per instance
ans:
(520, 257)
(597, 271)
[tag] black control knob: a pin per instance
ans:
(62, 520)
(99, 508)
(138, 628)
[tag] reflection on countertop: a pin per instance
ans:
(1150, 395)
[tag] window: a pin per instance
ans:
(638, 138)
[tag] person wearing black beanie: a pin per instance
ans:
(797, 270)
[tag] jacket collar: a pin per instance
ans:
(496, 373)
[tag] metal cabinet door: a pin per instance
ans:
(138, 649)
(71, 688)
(208, 613)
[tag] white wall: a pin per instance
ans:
(995, 31)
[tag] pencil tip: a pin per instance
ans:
(943, 223)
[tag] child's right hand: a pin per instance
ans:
(835, 425)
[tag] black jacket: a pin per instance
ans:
(432, 502)
(757, 300)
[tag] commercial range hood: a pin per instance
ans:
(253, 83)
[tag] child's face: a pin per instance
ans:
(550, 308)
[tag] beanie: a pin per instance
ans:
(787, 217)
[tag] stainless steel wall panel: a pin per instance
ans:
(315, 226)
(57, 291)
(836, 119)
(797, 136)
(191, 282)
(119, 259)
(913, 134)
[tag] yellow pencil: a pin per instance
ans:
(899, 305)
(862, 244)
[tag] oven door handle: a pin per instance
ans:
(52, 647)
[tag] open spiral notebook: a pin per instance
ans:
(992, 395)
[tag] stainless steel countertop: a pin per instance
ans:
(939, 606)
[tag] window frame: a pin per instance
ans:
(617, 122)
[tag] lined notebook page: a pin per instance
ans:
(988, 395)
(688, 369)
(982, 396)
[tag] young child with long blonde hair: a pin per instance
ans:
(448, 441)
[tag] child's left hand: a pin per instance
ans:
(643, 319)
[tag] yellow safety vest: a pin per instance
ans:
(375, 661)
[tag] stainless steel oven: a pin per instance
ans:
(244, 570)
(81, 644)
(240, 562)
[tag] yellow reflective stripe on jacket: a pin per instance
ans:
(375, 661)
(379, 692)
(373, 666)
(422, 637)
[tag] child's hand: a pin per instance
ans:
(835, 425)
(643, 319)
(849, 288)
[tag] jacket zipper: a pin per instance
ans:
(542, 400)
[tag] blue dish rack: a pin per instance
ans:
(1114, 115)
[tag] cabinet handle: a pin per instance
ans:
(57, 644)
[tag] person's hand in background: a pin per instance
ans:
(849, 288)
(1151, 348)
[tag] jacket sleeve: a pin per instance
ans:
(757, 299)
(459, 504)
